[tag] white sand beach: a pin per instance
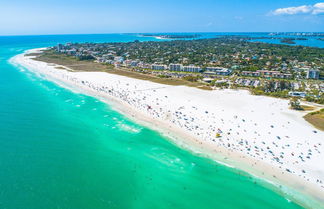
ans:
(257, 134)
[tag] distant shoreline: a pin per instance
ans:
(183, 138)
(172, 36)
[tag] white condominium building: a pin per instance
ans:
(175, 67)
(191, 68)
(158, 67)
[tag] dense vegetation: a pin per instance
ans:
(225, 51)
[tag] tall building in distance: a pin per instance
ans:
(312, 74)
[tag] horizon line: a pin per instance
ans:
(58, 34)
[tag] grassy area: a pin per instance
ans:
(307, 108)
(316, 119)
(50, 56)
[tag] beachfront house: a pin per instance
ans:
(267, 74)
(297, 94)
(207, 80)
(250, 73)
(131, 63)
(118, 59)
(218, 71)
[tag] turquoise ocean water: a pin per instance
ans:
(60, 149)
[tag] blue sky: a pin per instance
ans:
(19, 17)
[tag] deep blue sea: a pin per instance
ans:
(60, 149)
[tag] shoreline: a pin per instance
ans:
(183, 138)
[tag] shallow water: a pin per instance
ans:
(60, 149)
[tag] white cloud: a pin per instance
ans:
(304, 9)
(318, 8)
(293, 10)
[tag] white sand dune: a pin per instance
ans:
(258, 134)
